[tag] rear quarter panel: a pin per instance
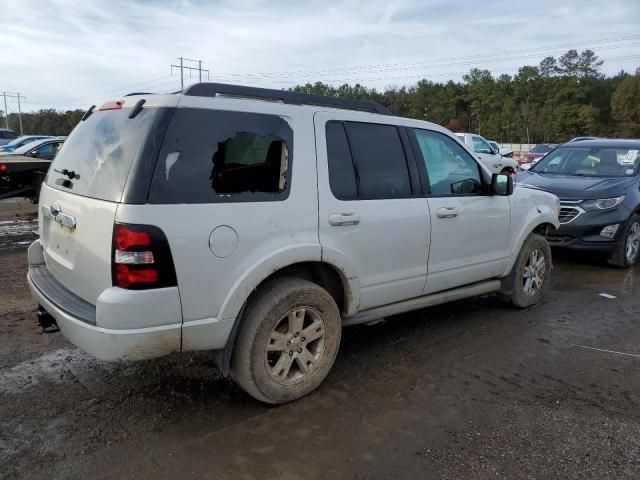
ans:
(270, 234)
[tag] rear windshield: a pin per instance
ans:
(96, 158)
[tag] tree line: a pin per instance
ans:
(558, 99)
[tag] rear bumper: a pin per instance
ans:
(84, 324)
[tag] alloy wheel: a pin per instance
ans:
(295, 345)
(633, 242)
(534, 273)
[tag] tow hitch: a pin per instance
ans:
(46, 321)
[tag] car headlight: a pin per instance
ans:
(602, 203)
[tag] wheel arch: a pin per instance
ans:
(333, 278)
(541, 225)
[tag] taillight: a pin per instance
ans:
(141, 258)
(3, 168)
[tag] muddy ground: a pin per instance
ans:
(469, 390)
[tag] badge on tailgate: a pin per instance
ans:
(55, 213)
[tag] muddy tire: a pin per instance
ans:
(288, 341)
(628, 250)
(531, 272)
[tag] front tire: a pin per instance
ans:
(531, 272)
(628, 250)
(288, 341)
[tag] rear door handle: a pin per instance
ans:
(447, 212)
(339, 219)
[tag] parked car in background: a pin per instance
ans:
(44, 148)
(505, 152)
(22, 171)
(20, 141)
(529, 158)
(489, 155)
(598, 182)
(7, 136)
(218, 219)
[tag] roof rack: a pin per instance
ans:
(293, 98)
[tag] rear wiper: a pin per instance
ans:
(71, 174)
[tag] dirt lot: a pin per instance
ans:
(470, 390)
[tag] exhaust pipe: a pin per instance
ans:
(46, 321)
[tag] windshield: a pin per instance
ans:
(590, 162)
(541, 149)
(96, 158)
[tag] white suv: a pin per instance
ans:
(257, 223)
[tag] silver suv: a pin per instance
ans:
(257, 223)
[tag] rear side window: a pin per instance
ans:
(221, 156)
(99, 153)
(372, 155)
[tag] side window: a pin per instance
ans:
(480, 146)
(45, 149)
(450, 169)
(342, 176)
(220, 156)
(379, 159)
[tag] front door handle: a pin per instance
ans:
(339, 219)
(447, 212)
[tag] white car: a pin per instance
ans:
(219, 219)
(490, 156)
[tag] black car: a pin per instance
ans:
(598, 183)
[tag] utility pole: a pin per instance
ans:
(19, 113)
(17, 96)
(184, 67)
(6, 114)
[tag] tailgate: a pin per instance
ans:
(75, 233)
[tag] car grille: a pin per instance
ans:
(569, 212)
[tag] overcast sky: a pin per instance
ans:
(74, 53)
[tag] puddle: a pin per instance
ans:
(17, 233)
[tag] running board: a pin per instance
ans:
(467, 291)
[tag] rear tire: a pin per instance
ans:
(288, 341)
(628, 250)
(531, 272)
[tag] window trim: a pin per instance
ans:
(424, 174)
(415, 185)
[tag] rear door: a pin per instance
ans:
(371, 211)
(80, 196)
(469, 228)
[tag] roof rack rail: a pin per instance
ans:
(293, 98)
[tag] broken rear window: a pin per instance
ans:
(221, 156)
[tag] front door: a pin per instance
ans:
(469, 228)
(371, 212)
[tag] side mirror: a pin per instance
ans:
(501, 184)
(34, 154)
